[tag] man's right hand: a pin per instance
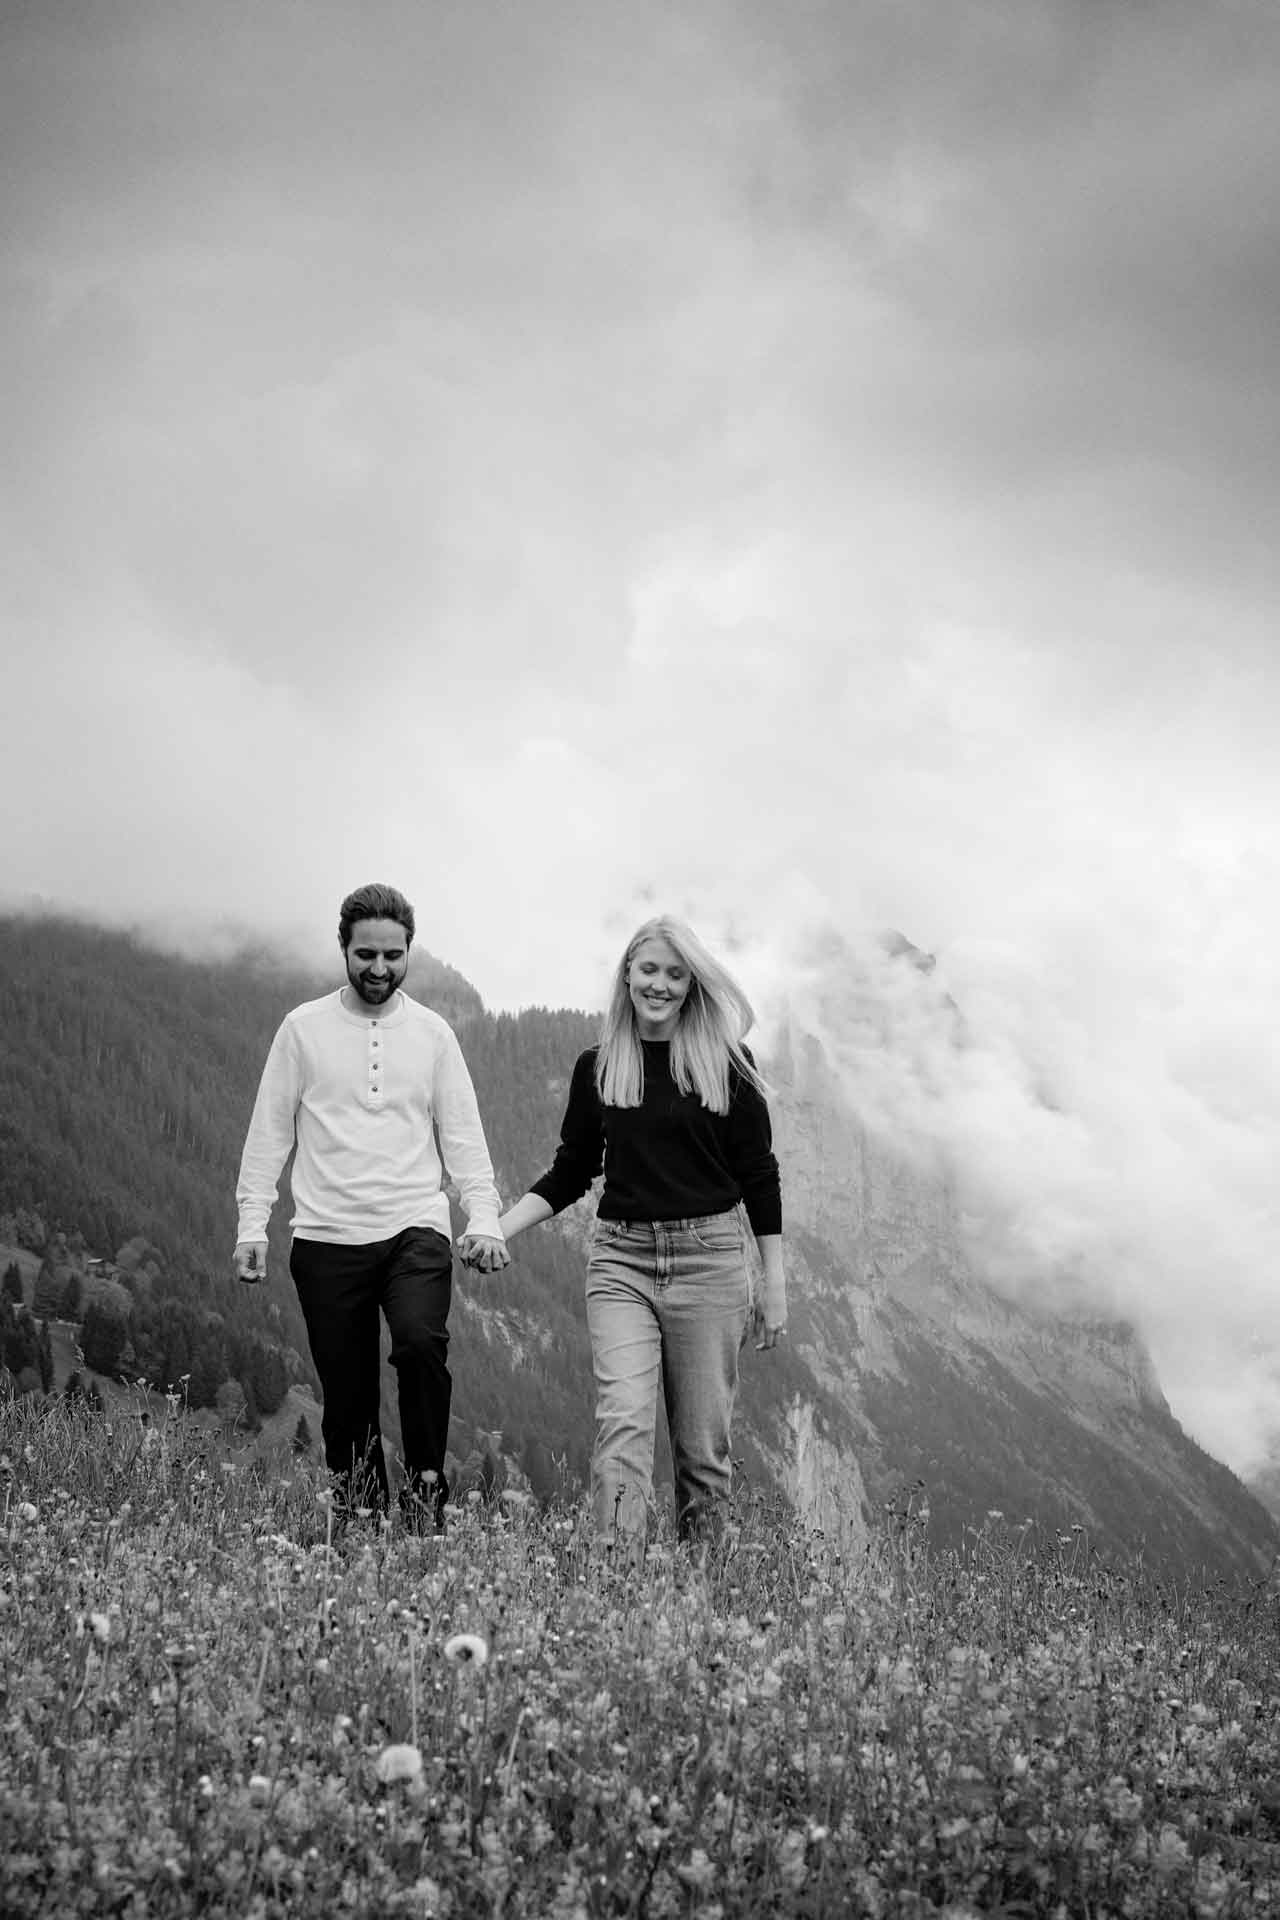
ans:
(251, 1261)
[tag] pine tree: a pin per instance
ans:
(13, 1283)
(46, 1295)
(102, 1339)
(44, 1357)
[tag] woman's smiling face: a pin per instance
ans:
(658, 982)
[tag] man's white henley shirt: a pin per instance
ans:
(364, 1099)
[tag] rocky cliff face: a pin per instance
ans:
(906, 1365)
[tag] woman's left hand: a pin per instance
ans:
(769, 1314)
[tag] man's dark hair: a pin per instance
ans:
(374, 902)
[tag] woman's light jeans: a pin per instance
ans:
(669, 1300)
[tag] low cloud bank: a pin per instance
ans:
(1095, 1163)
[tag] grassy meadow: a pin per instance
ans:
(208, 1705)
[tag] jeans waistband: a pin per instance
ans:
(687, 1222)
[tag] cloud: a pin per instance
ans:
(1090, 1173)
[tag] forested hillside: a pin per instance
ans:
(126, 1081)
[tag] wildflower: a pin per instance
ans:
(398, 1763)
(259, 1789)
(100, 1627)
(790, 1859)
(1170, 1854)
(466, 1650)
(697, 1873)
(26, 1511)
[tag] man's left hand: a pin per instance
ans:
(483, 1251)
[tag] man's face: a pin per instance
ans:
(377, 959)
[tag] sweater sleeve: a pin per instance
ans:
(753, 1159)
(580, 1155)
(462, 1142)
(270, 1138)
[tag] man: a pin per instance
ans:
(361, 1082)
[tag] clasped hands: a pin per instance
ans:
(483, 1252)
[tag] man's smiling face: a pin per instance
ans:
(377, 959)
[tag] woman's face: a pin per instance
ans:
(658, 982)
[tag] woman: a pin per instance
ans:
(671, 1106)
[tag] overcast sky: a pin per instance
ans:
(813, 467)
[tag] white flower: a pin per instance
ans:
(259, 1789)
(28, 1512)
(100, 1627)
(698, 1873)
(398, 1763)
(466, 1650)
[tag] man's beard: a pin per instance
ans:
(374, 993)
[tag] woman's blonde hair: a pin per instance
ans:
(715, 1016)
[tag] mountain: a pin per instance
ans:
(126, 1078)
(1266, 1485)
(988, 1402)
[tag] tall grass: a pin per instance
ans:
(212, 1706)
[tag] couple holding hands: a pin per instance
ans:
(361, 1084)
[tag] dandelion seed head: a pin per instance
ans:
(398, 1763)
(466, 1650)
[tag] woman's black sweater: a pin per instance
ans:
(670, 1158)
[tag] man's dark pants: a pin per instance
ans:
(343, 1289)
